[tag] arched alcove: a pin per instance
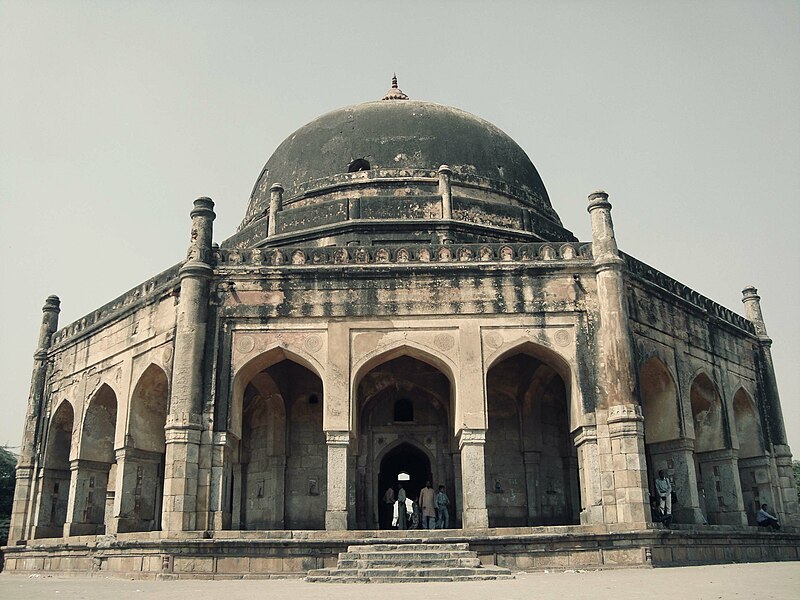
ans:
(56, 473)
(531, 464)
(424, 394)
(753, 461)
(143, 464)
(95, 475)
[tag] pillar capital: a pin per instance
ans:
(52, 304)
(598, 199)
(446, 191)
(471, 437)
(275, 206)
(752, 310)
(203, 207)
(604, 244)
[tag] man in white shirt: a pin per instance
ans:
(764, 519)
(664, 492)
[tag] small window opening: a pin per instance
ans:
(359, 164)
(403, 410)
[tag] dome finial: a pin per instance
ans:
(395, 93)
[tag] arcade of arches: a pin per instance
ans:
(715, 482)
(275, 471)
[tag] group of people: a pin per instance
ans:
(661, 506)
(430, 510)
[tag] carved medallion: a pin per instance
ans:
(494, 339)
(245, 344)
(563, 337)
(444, 341)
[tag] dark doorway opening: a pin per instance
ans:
(406, 459)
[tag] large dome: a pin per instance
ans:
(404, 135)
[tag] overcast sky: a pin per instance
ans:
(115, 115)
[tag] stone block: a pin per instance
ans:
(193, 564)
(624, 556)
(125, 564)
(585, 558)
(264, 564)
(551, 560)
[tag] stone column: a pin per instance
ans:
(722, 487)
(532, 460)
(788, 507)
(585, 441)
(21, 520)
(184, 422)
(446, 192)
(336, 513)
(676, 459)
(87, 498)
(275, 206)
(623, 469)
(471, 442)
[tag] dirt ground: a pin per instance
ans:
(764, 581)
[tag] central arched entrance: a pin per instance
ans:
(404, 416)
(407, 465)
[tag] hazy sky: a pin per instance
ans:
(115, 115)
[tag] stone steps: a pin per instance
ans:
(398, 563)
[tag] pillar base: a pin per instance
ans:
(71, 529)
(336, 520)
(475, 518)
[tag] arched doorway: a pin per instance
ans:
(753, 461)
(531, 464)
(277, 474)
(56, 474)
(404, 465)
(94, 471)
(142, 461)
(403, 423)
(719, 488)
(666, 446)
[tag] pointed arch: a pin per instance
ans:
(748, 425)
(143, 462)
(554, 360)
(530, 460)
(706, 404)
(390, 352)
(244, 375)
(148, 410)
(659, 398)
(99, 426)
(59, 437)
(54, 487)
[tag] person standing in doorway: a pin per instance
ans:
(400, 519)
(388, 505)
(764, 519)
(443, 512)
(427, 506)
(664, 493)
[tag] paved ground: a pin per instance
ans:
(766, 581)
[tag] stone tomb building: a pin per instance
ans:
(400, 297)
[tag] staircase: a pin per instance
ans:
(398, 563)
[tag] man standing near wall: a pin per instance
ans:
(427, 506)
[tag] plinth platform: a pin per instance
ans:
(272, 554)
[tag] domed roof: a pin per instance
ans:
(397, 133)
